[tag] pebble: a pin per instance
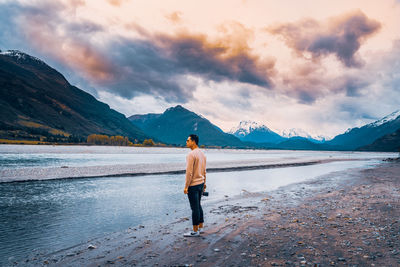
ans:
(216, 249)
(91, 246)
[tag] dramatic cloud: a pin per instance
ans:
(341, 36)
(321, 69)
(155, 64)
(216, 61)
(308, 82)
(140, 67)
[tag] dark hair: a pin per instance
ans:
(194, 138)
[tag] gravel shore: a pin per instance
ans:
(346, 218)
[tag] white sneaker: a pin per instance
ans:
(201, 230)
(192, 234)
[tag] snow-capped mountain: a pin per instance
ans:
(296, 132)
(20, 56)
(246, 127)
(358, 137)
(386, 119)
(251, 131)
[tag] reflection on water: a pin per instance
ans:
(55, 214)
(52, 215)
(235, 183)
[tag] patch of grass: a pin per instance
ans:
(32, 124)
(23, 142)
(53, 131)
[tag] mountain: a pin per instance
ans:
(176, 123)
(296, 132)
(249, 131)
(38, 102)
(141, 120)
(367, 134)
(387, 143)
(299, 143)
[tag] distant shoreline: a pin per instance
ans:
(41, 143)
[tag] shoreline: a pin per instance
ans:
(65, 172)
(343, 218)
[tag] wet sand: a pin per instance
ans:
(348, 218)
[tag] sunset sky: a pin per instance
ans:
(322, 66)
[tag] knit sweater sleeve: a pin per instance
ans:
(189, 169)
(205, 172)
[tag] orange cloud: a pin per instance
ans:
(67, 49)
(228, 57)
(175, 17)
(341, 36)
(115, 2)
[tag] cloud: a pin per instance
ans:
(115, 2)
(309, 82)
(314, 74)
(139, 63)
(43, 27)
(352, 85)
(304, 82)
(174, 17)
(217, 61)
(341, 36)
(152, 64)
(141, 68)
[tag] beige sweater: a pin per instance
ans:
(195, 168)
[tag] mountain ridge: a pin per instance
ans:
(37, 102)
(359, 137)
(176, 123)
(250, 131)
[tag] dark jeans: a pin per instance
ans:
(194, 195)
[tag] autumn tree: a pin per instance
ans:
(118, 140)
(148, 142)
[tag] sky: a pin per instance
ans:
(320, 66)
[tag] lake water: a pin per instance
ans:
(46, 216)
(23, 156)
